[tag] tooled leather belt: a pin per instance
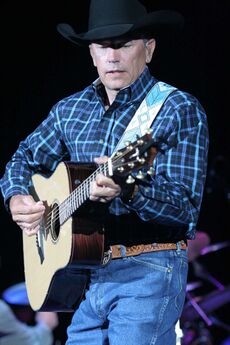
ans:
(145, 248)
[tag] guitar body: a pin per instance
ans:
(70, 240)
(56, 259)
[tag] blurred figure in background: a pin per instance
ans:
(195, 246)
(19, 324)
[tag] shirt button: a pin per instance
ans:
(168, 198)
(101, 141)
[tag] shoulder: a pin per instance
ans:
(83, 96)
(185, 106)
(181, 115)
(68, 107)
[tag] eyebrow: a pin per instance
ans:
(114, 44)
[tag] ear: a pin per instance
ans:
(92, 54)
(150, 47)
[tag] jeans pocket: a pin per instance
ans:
(154, 261)
(155, 272)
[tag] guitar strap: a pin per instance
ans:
(146, 113)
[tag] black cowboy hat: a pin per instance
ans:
(117, 18)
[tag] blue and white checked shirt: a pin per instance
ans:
(78, 128)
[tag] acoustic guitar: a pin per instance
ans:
(71, 237)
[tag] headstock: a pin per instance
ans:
(133, 157)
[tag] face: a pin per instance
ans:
(119, 63)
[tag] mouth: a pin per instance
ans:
(115, 72)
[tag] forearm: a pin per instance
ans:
(16, 179)
(173, 195)
(40, 152)
(162, 208)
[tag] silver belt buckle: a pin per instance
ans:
(107, 257)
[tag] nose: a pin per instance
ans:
(113, 55)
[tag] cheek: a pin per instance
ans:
(97, 59)
(98, 63)
(136, 66)
(100, 68)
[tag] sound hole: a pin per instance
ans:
(54, 222)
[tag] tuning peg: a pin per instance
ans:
(128, 145)
(130, 180)
(140, 142)
(151, 171)
(140, 175)
(131, 165)
(141, 160)
(149, 131)
(118, 154)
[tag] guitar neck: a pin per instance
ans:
(132, 157)
(80, 194)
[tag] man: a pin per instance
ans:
(138, 296)
(18, 322)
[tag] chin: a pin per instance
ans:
(117, 85)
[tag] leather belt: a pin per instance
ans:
(144, 248)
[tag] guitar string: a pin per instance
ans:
(58, 214)
(78, 193)
(60, 210)
(63, 210)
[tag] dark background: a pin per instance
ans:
(39, 67)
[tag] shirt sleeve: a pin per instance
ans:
(174, 193)
(40, 152)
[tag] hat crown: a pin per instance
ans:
(109, 19)
(110, 12)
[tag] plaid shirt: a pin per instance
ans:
(78, 128)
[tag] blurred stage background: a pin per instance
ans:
(39, 67)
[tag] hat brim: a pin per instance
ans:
(151, 24)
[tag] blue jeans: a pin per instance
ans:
(134, 300)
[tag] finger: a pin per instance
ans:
(104, 181)
(108, 193)
(104, 200)
(29, 225)
(30, 232)
(27, 218)
(25, 204)
(101, 160)
(28, 210)
(31, 209)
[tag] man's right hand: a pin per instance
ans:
(26, 212)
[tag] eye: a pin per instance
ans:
(127, 45)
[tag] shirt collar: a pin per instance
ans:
(133, 92)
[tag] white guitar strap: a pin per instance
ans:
(146, 113)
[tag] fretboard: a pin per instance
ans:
(79, 195)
